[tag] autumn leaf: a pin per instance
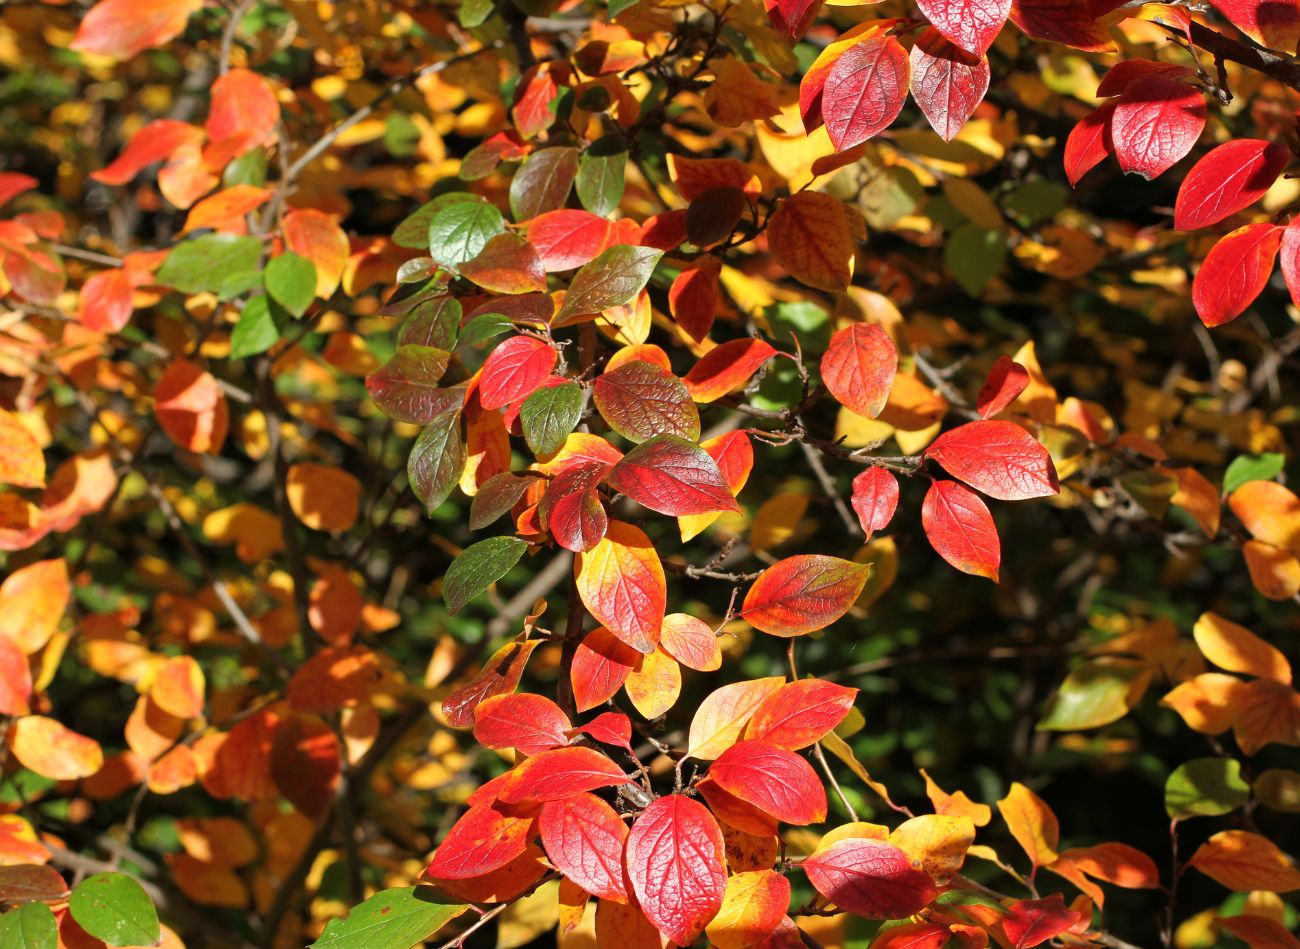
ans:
(802, 594)
(870, 878)
(675, 863)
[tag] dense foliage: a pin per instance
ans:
(648, 474)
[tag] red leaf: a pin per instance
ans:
(1290, 259)
(694, 298)
(528, 723)
(999, 458)
(1156, 122)
(865, 90)
(671, 475)
(121, 28)
(800, 713)
(1123, 74)
(804, 593)
(105, 302)
(601, 665)
(584, 837)
(726, 368)
(12, 184)
(563, 772)
(675, 863)
(947, 82)
(568, 238)
(608, 728)
(153, 143)
(972, 25)
(1061, 21)
(776, 781)
(1234, 272)
(1088, 143)
(961, 529)
(875, 498)
(1230, 178)
(859, 367)
(869, 878)
(791, 18)
(1033, 922)
(571, 508)
(244, 112)
(1006, 380)
(515, 370)
(913, 935)
(483, 840)
(1273, 25)
(500, 674)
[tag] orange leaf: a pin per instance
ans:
(324, 498)
(318, 237)
(178, 687)
(809, 235)
(1269, 511)
(753, 905)
(22, 463)
(622, 584)
(121, 28)
(1032, 823)
(1237, 649)
(54, 751)
(32, 601)
(1242, 861)
(225, 210)
(244, 112)
(191, 408)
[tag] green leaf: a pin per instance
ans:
(413, 232)
(30, 926)
(237, 284)
(974, 255)
(600, 175)
(436, 460)
(478, 567)
(1095, 693)
(483, 327)
(261, 322)
(115, 908)
(205, 262)
(248, 169)
(1263, 467)
(1205, 787)
(549, 416)
(618, 6)
(612, 279)
(475, 13)
(391, 919)
(460, 232)
(1279, 789)
(434, 322)
(291, 282)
